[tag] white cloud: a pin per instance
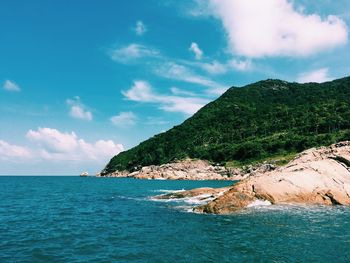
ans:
(13, 152)
(132, 52)
(170, 68)
(124, 119)
(11, 86)
(79, 113)
(179, 72)
(259, 28)
(319, 76)
(241, 65)
(177, 91)
(198, 53)
(174, 69)
(140, 28)
(78, 110)
(195, 8)
(54, 140)
(214, 67)
(142, 91)
(63, 146)
(185, 105)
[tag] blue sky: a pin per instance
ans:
(83, 80)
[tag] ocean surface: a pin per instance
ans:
(73, 219)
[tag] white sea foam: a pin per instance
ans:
(198, 200)
(195, 200)
(258, 203)
(167, 191)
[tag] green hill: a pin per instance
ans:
(251, 123)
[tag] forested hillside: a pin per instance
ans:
(250, 123)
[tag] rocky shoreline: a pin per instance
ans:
(190, 169)
(319, 176)
(187, 169)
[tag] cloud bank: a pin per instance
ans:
(262, 28)
(10, 151)
(63, 146)
(50, 144)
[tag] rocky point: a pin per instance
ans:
(318, 176)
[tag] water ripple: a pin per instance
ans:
(68, 219)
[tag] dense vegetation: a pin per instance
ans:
(248, 124)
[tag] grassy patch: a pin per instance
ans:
(278, 160)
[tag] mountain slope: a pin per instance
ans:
(260, 120)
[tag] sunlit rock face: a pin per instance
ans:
(315, 176)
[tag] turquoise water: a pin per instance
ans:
(72, 219)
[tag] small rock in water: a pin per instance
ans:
(84, 174)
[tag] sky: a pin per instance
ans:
(81, 81)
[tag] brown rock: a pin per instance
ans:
(193, 193)
(316, 176)
(232, 200)
(187, 169)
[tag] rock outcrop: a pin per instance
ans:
(195, 196)
(315, 176)
(84, 174)
(187, 169)
(204, 192)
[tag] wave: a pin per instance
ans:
(195, 200)
(167, 191)
(258, 203)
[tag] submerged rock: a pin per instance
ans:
(84, 174)
(205, 191)
(194, 197)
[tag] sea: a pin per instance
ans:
(89, 219)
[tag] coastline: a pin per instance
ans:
(318, 176)
(191, 169)
(187, 169)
